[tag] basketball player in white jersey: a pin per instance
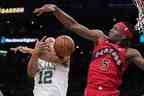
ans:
(50, 72)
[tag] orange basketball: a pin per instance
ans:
(64, 45)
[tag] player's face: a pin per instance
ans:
(50, 41)
(115, 33)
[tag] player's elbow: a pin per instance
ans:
(140, 64)
(31, 71)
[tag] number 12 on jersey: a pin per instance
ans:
(45, 76)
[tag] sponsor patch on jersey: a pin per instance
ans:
(46, 65)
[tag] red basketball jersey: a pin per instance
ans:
(106, 67)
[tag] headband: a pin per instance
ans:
(125, 29)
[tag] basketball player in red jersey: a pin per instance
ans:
(110, 55)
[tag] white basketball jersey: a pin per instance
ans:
(51, 80)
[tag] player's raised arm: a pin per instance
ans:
(69, 22)
(22, 49)
(32, 67)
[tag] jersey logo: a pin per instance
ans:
(111, 51)
(47, 65)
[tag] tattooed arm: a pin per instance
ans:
(32, 66)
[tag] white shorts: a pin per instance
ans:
(51, 91)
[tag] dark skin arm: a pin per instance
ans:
(69, 22)
(135, 56)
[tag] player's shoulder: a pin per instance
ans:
(131, 52)
(99, 34)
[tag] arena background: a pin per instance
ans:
(100, 14)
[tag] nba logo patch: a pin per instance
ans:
(104, 65)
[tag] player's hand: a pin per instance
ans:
(14, 49)
(25, 49)
(45, 8)
(41, 44)
(22, 49)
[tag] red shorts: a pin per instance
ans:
(96, 92)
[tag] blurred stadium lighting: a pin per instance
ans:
(11, 10)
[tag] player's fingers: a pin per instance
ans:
(24, 49)
(43, 45)
(40, 13)
(13, 49)
(37, 41)
(43, 39)
(36, 44)
(37, 10)
(40, 44)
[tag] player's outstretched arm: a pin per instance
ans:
(32, 64)
(37, 52)
(22, 49)
(69, 22)
(135, 57)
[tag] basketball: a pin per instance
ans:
(64, 45)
